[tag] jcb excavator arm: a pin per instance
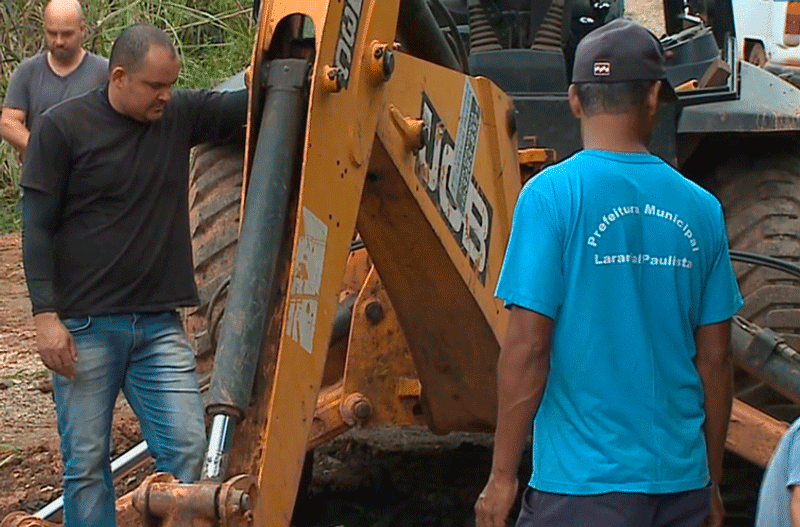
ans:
(422, 161)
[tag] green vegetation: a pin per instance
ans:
(25, 375)
(213, 37)
(9, 191)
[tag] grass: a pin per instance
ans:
(213, 37)
(27, 375)
(9, 189)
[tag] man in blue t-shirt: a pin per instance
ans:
(621, 291)
(779, 499)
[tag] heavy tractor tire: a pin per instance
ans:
(215, 191)
(761, 198)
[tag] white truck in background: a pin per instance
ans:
(768, 33)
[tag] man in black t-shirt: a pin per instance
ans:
(107, 256)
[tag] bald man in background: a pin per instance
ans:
(65, 70)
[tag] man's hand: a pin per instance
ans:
(522, 370)
(717, 509)
(495, 501)
(55, 344)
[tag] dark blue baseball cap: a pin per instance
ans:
(621, 51)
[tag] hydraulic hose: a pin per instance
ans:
(457, 43)
(422, 35)
(763, 354)
(766, 261)
(760, 351)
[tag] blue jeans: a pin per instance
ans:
(148, 357)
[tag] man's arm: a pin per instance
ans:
(46, 171)
(522, 371)
(794, 506)
(714, 364)
(40, 212)
(12, 128)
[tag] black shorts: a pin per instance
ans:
(615, 509)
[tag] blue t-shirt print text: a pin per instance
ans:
(618, 214)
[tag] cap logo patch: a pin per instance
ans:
(602, 69)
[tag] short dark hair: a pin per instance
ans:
(612, 97)
(134, 42)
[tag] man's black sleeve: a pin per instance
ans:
(218, 115)
(40, 213)
(45, 172)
